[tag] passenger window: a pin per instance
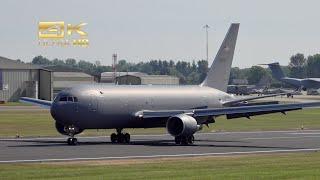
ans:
(63, 99)
(75, 99)
(70, 99)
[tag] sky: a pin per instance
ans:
(140, 30)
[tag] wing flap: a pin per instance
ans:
(238, 101)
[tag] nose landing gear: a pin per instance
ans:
(72, 141)
(71, 130)
(119, 137)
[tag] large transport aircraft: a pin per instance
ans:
(182, 110)
(304, 84)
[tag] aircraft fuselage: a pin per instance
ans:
(107, 106)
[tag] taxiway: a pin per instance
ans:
(150, 146)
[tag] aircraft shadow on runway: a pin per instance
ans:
(160, 143)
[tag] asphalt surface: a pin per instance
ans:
(150, 146)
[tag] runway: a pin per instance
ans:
(151, 146)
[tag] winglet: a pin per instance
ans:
(219, 72)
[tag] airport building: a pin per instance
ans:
(109, 77)
(137, 78)
(19, 79)
(147, 79)
(64, 77)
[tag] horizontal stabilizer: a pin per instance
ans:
(42, 103)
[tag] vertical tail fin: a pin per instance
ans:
(219, 72)
(276, 70)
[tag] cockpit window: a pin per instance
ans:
(63, 99)
(70, 99)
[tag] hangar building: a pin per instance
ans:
(137, 78)
(109, 77)
(19, 79)
(147, 79)
(64, 77)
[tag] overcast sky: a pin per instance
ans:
(140, 30)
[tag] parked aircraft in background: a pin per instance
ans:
(304, 84)
(182, 110)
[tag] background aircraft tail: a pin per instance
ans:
(219, 72)
(276, 70)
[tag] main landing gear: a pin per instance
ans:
(119, 137)
(184, 140)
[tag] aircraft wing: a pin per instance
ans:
(313, 79)
(230, 112)
(238, 101)
(42, 103)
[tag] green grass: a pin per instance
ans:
(40, 123)
(15, 104)
(275, 166)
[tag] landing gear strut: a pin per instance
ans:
(184, 140)
(119, 137)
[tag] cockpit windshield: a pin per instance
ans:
(68, 99)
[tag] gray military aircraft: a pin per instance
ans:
(183, 110)
(307, 83)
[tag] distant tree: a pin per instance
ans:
(313, 66)
(58, 62)
(236, 73)
(40, 60)
(297, 66)
(71, 62)
(255, 73)
(202, 69)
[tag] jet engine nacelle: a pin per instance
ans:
(182, 125)
(62, 129)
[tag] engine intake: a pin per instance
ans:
(182, 125)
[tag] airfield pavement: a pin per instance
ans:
(158, 146)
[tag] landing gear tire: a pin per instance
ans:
(127, 138)
(184, 140)
(120, 138)
(114, 138)
(190, 139)
(177, 140)
(72, 141)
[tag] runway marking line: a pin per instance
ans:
(160, 156)
(282, 137)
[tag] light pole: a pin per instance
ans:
(207, 43)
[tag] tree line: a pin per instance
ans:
(192, 72)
